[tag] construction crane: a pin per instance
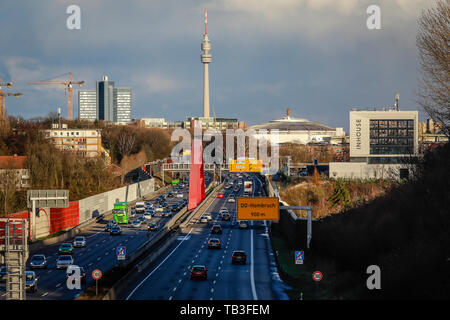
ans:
(2, 97)
(68, 85)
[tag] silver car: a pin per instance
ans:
(38, 261)
(79, 242)
(64, 261)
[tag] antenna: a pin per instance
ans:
(397, 97)
(206, 21)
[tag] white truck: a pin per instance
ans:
(248, 188)
(140, 207)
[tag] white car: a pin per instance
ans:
(64, 261)
(159, 208)
(208, 216)
(136, 223)
(147, 215)
(231, 199)
(140, 207)
(180, 195)
(204, 219)
(223, 210)
(79, 242)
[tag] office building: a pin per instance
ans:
(105, 103)
(87, 105)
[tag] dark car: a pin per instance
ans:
(166, 213)
(214, 243)
(170, 195)
(31, 281)
(174, 208)
(116, 230)
(216, 229)
(3, 273)
(199, 272)
(239, 256)
(65, 248)
(165, 205)
(152, 226)
(109, 225)
(82, 275)
(226, 216)
(38, 261)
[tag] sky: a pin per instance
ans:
(316, 57)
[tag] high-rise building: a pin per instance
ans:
(122, 103)
(87, 105)
(206, 59)
(105, 103)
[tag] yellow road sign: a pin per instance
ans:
(258, 208)
(246, 165)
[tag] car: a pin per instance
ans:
(174, 208)
(222, 210)
(243, 224)
(170, 194)
(180, 195)
(166, 213)
(141, 219)
(159, 208)
(82, 275)
(116, 230)
(152, 226)
(147, 215)
(148, 205)
(165, 205)
(3, 273)
(140, 207)
(65, 248)
(239, 256)
(214, 243)
(204, 219)
(232, 199)
(216, 229)
(38, 261)
(64, 261)
(225, 216)
(220, 195)
(31, 281)
(199, 271)
(132, 213)
(228, 186)
(185, 200)
(110, 224)
(208, 216)
(136, 223)
(79, 242)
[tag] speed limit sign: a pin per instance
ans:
(96, 274)
(317, 276)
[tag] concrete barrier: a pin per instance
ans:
(117, 290)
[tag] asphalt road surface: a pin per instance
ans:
(169, 276)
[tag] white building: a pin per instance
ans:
(382, 143)
(87, 105)
(300, 131)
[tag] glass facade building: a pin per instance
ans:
(87, 105)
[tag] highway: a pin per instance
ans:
(168, 278)
(99, 253)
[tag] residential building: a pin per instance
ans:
(17, 165)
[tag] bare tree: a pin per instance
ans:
(8, 185)
(433, 41)
(125, 143)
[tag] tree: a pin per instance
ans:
(433, 40)
(8, 184)
(125, 143)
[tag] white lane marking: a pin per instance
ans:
(93, 235)
(145, 279)
(214, 282)
(175, 289)
(170, 298)
(106, 253)
(212, 290)
(98, 258)
(192, 261)
(90, 264)
(43, 294)
(217, 274)
(58, 285)
(252, 275)
(184, 274)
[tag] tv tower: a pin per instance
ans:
(206, 59)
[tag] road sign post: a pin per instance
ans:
(121, 252)
(97, 275)
(299, 257)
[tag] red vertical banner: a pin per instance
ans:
(196, 174)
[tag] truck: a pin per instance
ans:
(121, 212)
(140, 207)
(248, 188)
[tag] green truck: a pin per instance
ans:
(121, 212)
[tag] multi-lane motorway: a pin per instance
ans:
(168, 278)
(99, 253)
